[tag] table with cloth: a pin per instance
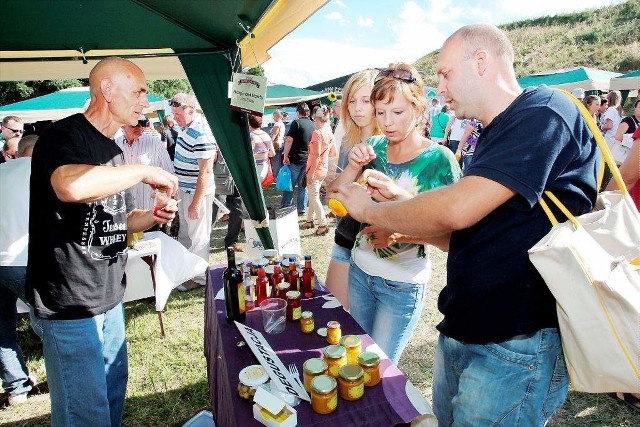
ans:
(394, 401)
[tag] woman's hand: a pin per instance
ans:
(379, 237)
(382, 188)
(360, 155)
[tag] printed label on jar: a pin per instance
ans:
(333, 402)
(356, 392)
(367, 377)
(297, 313)
(334, 370)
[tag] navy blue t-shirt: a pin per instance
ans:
(540, 142)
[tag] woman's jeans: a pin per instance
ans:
(518, 382)
(387, 310)
(86, 362)
(297, 175)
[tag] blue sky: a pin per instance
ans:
(346, 36)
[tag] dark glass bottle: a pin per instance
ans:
(233, 289)
(262, 286)
(277, 277)
(308, 278)
(292, 275)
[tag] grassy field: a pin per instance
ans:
(167, 377)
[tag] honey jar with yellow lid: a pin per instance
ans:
(370, 363)
(336, 357)
(351, 382)
(324, 394)
(353, 345)
(311, 369)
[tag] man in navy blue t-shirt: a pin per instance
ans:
(499, 358)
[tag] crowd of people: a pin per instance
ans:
(448, 175)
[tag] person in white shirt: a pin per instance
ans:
(141, 148)
(277, 140)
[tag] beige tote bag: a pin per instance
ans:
(591, 264)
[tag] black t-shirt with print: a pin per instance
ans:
(77, 251)
(301, 130)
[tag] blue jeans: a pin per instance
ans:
(14, 370)
(276, 162)
(387, 310)
(297, 174)
(519, 382)
(86, 362)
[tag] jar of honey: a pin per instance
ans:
(334, 333)
(324, 394)
(353, 345)
(307, 324)
(336, 358)
(351, 382)
(281, 290)
(311, 369)
(370, 363)
(294, 309)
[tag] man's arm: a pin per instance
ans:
(432, 213)
(275, 131)
(88, 183)
(205, 173)
(288, 141)
(141, 220)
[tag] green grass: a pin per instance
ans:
(168, 380)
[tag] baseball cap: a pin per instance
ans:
(578, 93)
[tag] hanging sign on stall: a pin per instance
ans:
(248, 93)
(272, 363)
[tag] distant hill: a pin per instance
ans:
(606, 38)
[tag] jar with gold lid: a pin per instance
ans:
(353, 345)
(307, 324)
(351, 382)
(324, 394)
(336, 357)
(370, 363)
(311, 369)
(334, 333)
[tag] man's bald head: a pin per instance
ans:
(112, 68)
(26, 144)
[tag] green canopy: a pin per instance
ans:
(589, 79)
(61, 104)
(289, 95)
(206, 40)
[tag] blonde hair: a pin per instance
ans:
(385, 89)
(353, 132)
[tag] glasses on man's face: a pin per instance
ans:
(404, 75)
(14, 130)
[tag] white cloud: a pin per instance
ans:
(339, 3)
(337, 17)
(365, 21)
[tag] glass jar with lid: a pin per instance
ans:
(324, 394)
(251, 378)
(336, 358)
(334, 332)
(351, 382)
(294, 309)
(370, 363)
(311, 369)
(307, 324)
(281, 290)
(353, 345)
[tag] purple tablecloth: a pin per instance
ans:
(394, 401)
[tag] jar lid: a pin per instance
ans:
(270, 253)
(334, 351)
(368, 359)
(351, 372)
(268, 269)
(261, 262)
(283, 285)
(253, 375)
(285, 262)
(350, 341)
(293, 295)
(306, 314)
(333, 324)
(314, 366)
(323, 384)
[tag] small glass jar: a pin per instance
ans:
(370, 363)
(307, 324)
(271, 255)
(334, 333)
(251, 378)
(324, 394)
(353, 345)
(336, 358)
(294, 309)
(351, 382)
(281, 290)
(311, 369)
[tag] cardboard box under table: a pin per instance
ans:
(283, 225)
(394, 401)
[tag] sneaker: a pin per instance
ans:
(189, 285)
(16, 399)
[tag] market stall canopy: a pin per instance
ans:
(628, 81)
(571, 78)
(61, 104)
(206, 40)
(290, 95)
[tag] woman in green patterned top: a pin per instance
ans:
(389, 271)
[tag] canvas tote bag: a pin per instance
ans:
(591, 264)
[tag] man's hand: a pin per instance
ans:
(193, 211)
(158, 177)
(285, 160)
(355, 199)
(167, 213)
(382, 188)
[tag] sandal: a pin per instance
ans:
(307, 225)
(322, 230)
(627, 398)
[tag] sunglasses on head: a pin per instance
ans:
(14, 130)
(404, 75)
(177, 104)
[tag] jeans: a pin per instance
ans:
(387, 310)
(340, 254)
(86, 362)
(276, 162)
(14, 371)
(297, 175)
(518, 382)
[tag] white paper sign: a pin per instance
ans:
(248, 93)
(272, 363)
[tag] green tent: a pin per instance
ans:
(206, 40)
(290, 95)
(589, 79)
(61, 104)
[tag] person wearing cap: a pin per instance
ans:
(143, 148)
(578, 93)
(193, 164)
